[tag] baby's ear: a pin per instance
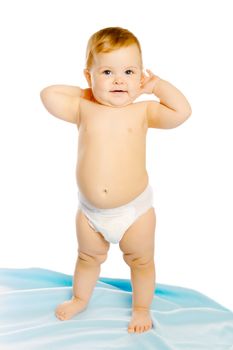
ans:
(87, 76)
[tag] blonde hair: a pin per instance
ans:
(107, 40)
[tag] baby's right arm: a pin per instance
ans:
(62, 101)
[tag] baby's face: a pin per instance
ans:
(115, 76)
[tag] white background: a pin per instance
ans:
(189, 167)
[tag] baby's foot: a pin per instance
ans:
(69, 308)
(141, 321)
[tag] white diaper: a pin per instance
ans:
(112, 223)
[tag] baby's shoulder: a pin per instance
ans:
(140, 105)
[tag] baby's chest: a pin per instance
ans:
(114, 126)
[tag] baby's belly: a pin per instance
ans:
(109, 181)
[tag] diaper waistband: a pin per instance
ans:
(147, 194)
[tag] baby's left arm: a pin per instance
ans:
(173, 108)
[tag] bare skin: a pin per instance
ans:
(111, 167)
(127, 128)
(115, 137)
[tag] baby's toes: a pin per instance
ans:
(143, 329)
(131, 329)
(61, 317)
(148, 327)
(60, 314)
(139, 329)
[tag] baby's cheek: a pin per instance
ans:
(96, 90)
(134, 92)
(100, 97)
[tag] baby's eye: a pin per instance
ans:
(107, 72)
(129, 72)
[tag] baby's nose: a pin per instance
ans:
(118, 80)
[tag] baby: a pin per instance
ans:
(115, 198)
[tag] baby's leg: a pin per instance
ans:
(137, 245)
(93, 250)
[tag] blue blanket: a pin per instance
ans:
(183, 319)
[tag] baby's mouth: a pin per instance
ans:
(118, 91)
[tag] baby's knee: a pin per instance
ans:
(139, 261)
(92, 259)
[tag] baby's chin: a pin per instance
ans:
(116, 104)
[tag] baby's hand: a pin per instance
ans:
(148, 82)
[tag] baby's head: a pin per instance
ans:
(114, 66)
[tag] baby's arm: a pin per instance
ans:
(173, 108)
(62, 101)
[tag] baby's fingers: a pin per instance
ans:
(149, 72)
